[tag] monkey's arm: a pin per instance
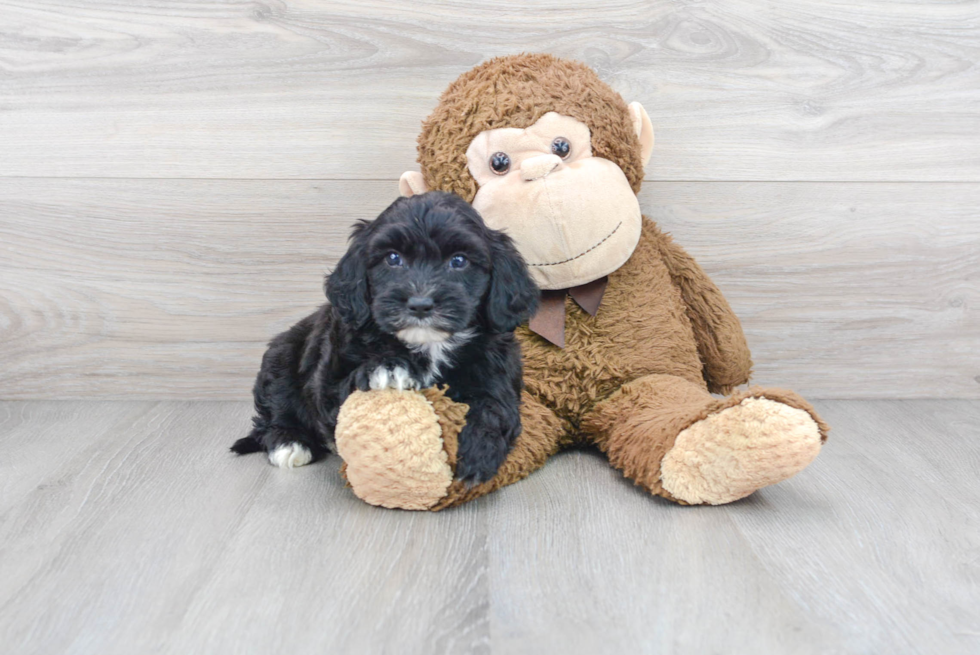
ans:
(721, 342)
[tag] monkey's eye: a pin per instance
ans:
(499, 163)
(561, 147)
(458, 261)
(393, 259)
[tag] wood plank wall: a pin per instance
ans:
(177, 177)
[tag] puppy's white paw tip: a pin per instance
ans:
(291, 455)
(401, 380)
(379, 378)
(396, 378)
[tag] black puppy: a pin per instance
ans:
(426, 294)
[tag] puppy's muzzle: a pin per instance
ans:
(420, 306)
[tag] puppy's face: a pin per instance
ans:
(427, 271)
(428, 268)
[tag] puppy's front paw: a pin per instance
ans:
(478, 463)
(484, 443)
(290, 455)
(391, 376)
(474, 473)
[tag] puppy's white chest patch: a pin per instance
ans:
(421, 335)
(440, 354)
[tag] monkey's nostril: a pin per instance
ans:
(420, 305)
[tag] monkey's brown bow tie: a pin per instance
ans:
(549, 321)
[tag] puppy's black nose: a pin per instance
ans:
(420, 305)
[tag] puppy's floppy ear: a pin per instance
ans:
(347, 286)
(513, 295)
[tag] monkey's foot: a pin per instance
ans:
(738, 450)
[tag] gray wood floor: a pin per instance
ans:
(126, 527)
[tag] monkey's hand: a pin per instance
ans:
(399, 447)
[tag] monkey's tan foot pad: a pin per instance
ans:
(392, 447)
(730, 454)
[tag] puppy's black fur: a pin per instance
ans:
(426, 268)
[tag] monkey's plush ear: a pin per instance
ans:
(644, 130)
(513, 295)
(411, 184)
(347, 286)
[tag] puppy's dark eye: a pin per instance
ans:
(393, 259)
(499, 163)
(458, 261)
(561, 147)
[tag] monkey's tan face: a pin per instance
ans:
(573, 216)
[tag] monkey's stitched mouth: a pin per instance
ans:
(584, 252)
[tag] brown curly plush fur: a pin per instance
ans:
(516, 91)
(636, 374)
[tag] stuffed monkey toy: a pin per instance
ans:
(632, 338)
